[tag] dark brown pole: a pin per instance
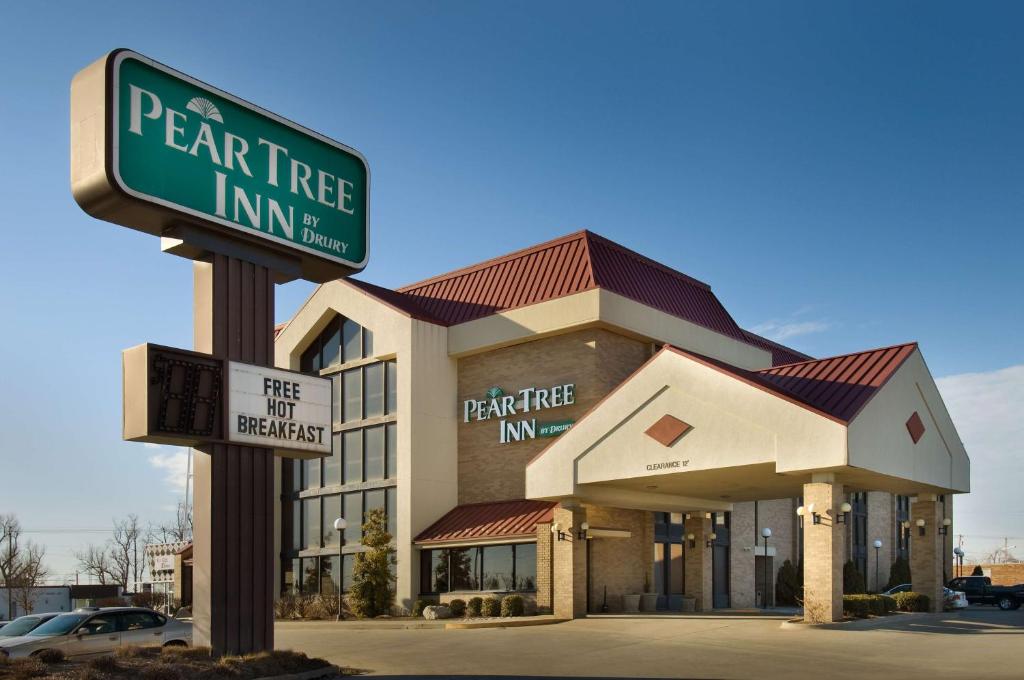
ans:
(233, 570)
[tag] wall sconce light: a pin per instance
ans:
(815, 517)
(582, 533)
(944, 529)
(920, 527)
(556, 529)
(800, 511)
(844, 513)
(711, 539)
(692, 540)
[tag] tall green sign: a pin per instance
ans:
(180, 150)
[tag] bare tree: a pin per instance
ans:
(95, 561)
(174, 531)
(10, 556)
(31, 574)
(123, 550)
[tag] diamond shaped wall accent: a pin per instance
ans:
(915, 427)
(667, 430)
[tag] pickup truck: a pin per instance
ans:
(979, 590)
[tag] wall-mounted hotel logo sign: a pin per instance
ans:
(152, 148)
(174, 396)
(501, 406)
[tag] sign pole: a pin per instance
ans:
(233, 494)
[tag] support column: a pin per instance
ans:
(544, 567)
(925, 555)
(698, 569)
(233, 525)
(570, 564)
(824, 551)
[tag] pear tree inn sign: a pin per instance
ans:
(175, 396)
(156, 150)
(501, 406)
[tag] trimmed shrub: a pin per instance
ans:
(491, 606)
(977, 571)
(787, 584)
(458, 608)
(911, 602)
(50, 656)
(372, 592)
(475, 606)
(512, 605)
(853, 580)
(899, 573)
(863, 606)
(417, 609)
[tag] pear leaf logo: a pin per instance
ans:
(495, 392)
(205, 108)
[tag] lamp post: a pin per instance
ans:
(959, 552)
(766, 533)
(878, 544)
(943, 530)
(340, 525)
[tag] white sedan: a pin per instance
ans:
(82, 634)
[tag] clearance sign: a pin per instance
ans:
(177, 149)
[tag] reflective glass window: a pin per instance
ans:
(526, 566)
(330, 351)
(463, 569)
(332, 464)
(391, 445)
(392, 511)
(310, 575)
(353, 389)
(497, 568)
(367, 343)
(373, 448)
(311, 522)
(351, 341)
(391, 388)
(354, 517)
(373, 390)
(331, 512)
(352, 445)
(329, 575)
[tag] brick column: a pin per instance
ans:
(544, 566)
(698, 560)
(824, 551)
(570, 564)
(925, 555)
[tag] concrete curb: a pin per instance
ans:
(315, 674)
(510, 623)
(854, 624)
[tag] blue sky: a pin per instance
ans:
(845, 175)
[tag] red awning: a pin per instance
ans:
(478, 521)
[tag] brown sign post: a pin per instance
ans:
(254, 200)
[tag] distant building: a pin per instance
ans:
(43, 599)
(165, 564)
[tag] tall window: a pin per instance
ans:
(859, 519)
(500, 568)
(361, 473)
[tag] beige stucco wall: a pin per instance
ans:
(619, 564)
(427, 465)
(595, 360)
(734, 424)
(879, 441)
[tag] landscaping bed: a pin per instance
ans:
(169, 663)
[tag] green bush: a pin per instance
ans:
(491, 606)
(417, 609)
(372, 592)
(911, 602)
(475, 606)
(863, 606)
(787, 584)
(512, 605)
(458, 608)
(853, 580)
(899, 573)
(977, 571)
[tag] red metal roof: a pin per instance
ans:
(839, 385)
(571, 264)
(504, 519)
(836, 386)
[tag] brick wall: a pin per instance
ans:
(544, 566)
(595, 360)
(619, 564)
(1001, 574)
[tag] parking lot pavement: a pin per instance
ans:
(975, 643)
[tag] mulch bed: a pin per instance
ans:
(169, 663)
